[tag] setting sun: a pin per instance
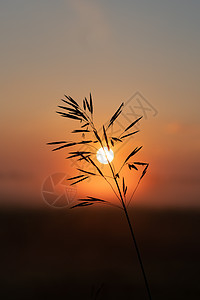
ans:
(103, 154)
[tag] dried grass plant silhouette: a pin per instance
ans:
(85, 116)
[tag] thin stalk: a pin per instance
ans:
(133, 193)
(132, 234)
(138, 252)
(130, 226)
(112, 188)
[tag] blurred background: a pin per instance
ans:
(145, 53)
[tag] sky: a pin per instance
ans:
(112, 49)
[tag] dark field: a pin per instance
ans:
(65, 254)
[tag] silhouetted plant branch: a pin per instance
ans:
(72, 110)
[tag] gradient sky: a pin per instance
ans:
(113, 49)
